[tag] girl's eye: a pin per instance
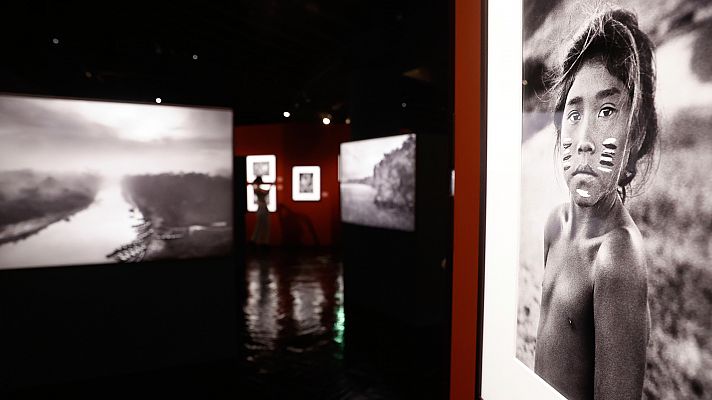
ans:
(606, 112)
(573, 117)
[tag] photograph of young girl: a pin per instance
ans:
(615, 275)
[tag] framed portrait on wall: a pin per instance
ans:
(270, 198)
(306, 183)
(598, 121)
(264, 166)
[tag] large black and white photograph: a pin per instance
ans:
(377, 180)
(306, 183)
(263, 167)
(93, 182)
(614, 280)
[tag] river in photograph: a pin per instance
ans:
(358, 206)
(87, 237)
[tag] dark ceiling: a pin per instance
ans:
(259, 57)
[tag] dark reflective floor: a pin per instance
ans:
(298, 342)
(294, 325)
(294, 304)
(301, 344)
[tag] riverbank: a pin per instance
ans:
(190, 214)
(25, 229)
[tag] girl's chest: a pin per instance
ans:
(568, 282)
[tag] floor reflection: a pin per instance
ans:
(296, 339)
(294, 303)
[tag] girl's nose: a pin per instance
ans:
(586, 146)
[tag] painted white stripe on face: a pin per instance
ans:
(566, 142)
(604, 169)
(605, 157)
(567, 151)
(608, 152)
(583, 193)
(610, 144)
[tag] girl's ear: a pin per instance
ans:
(630, 168)
(636, 138)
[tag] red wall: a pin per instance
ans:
(298, 222)
(468, 75)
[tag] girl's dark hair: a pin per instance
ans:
(613, 38)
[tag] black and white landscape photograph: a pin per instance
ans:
(666, 201)
(261, 166)
(93, 182)
(377, 179)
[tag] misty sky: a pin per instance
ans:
(358, 158)
(112, 139)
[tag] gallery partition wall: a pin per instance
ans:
(469, 92)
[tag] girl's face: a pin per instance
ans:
(594, 134)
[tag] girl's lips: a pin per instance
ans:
(584, 169)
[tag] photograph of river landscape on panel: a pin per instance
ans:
(93, 182)
(377, 179)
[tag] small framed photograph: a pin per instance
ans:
(270, 198)
(306, 183)
(264, 166)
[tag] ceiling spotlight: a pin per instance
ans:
(404, 105)
(158, 100)
(348, 121)
(195, 56)
(326, 121)
(286, 114)
(55, 40)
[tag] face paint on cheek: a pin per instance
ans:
(566, 146)
(610, 143)
(566, 142)
(609, 150)
(583, 193)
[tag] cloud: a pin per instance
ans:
(45, 119)
(112, 138)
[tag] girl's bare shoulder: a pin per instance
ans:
(621, 258)
(556, 220)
